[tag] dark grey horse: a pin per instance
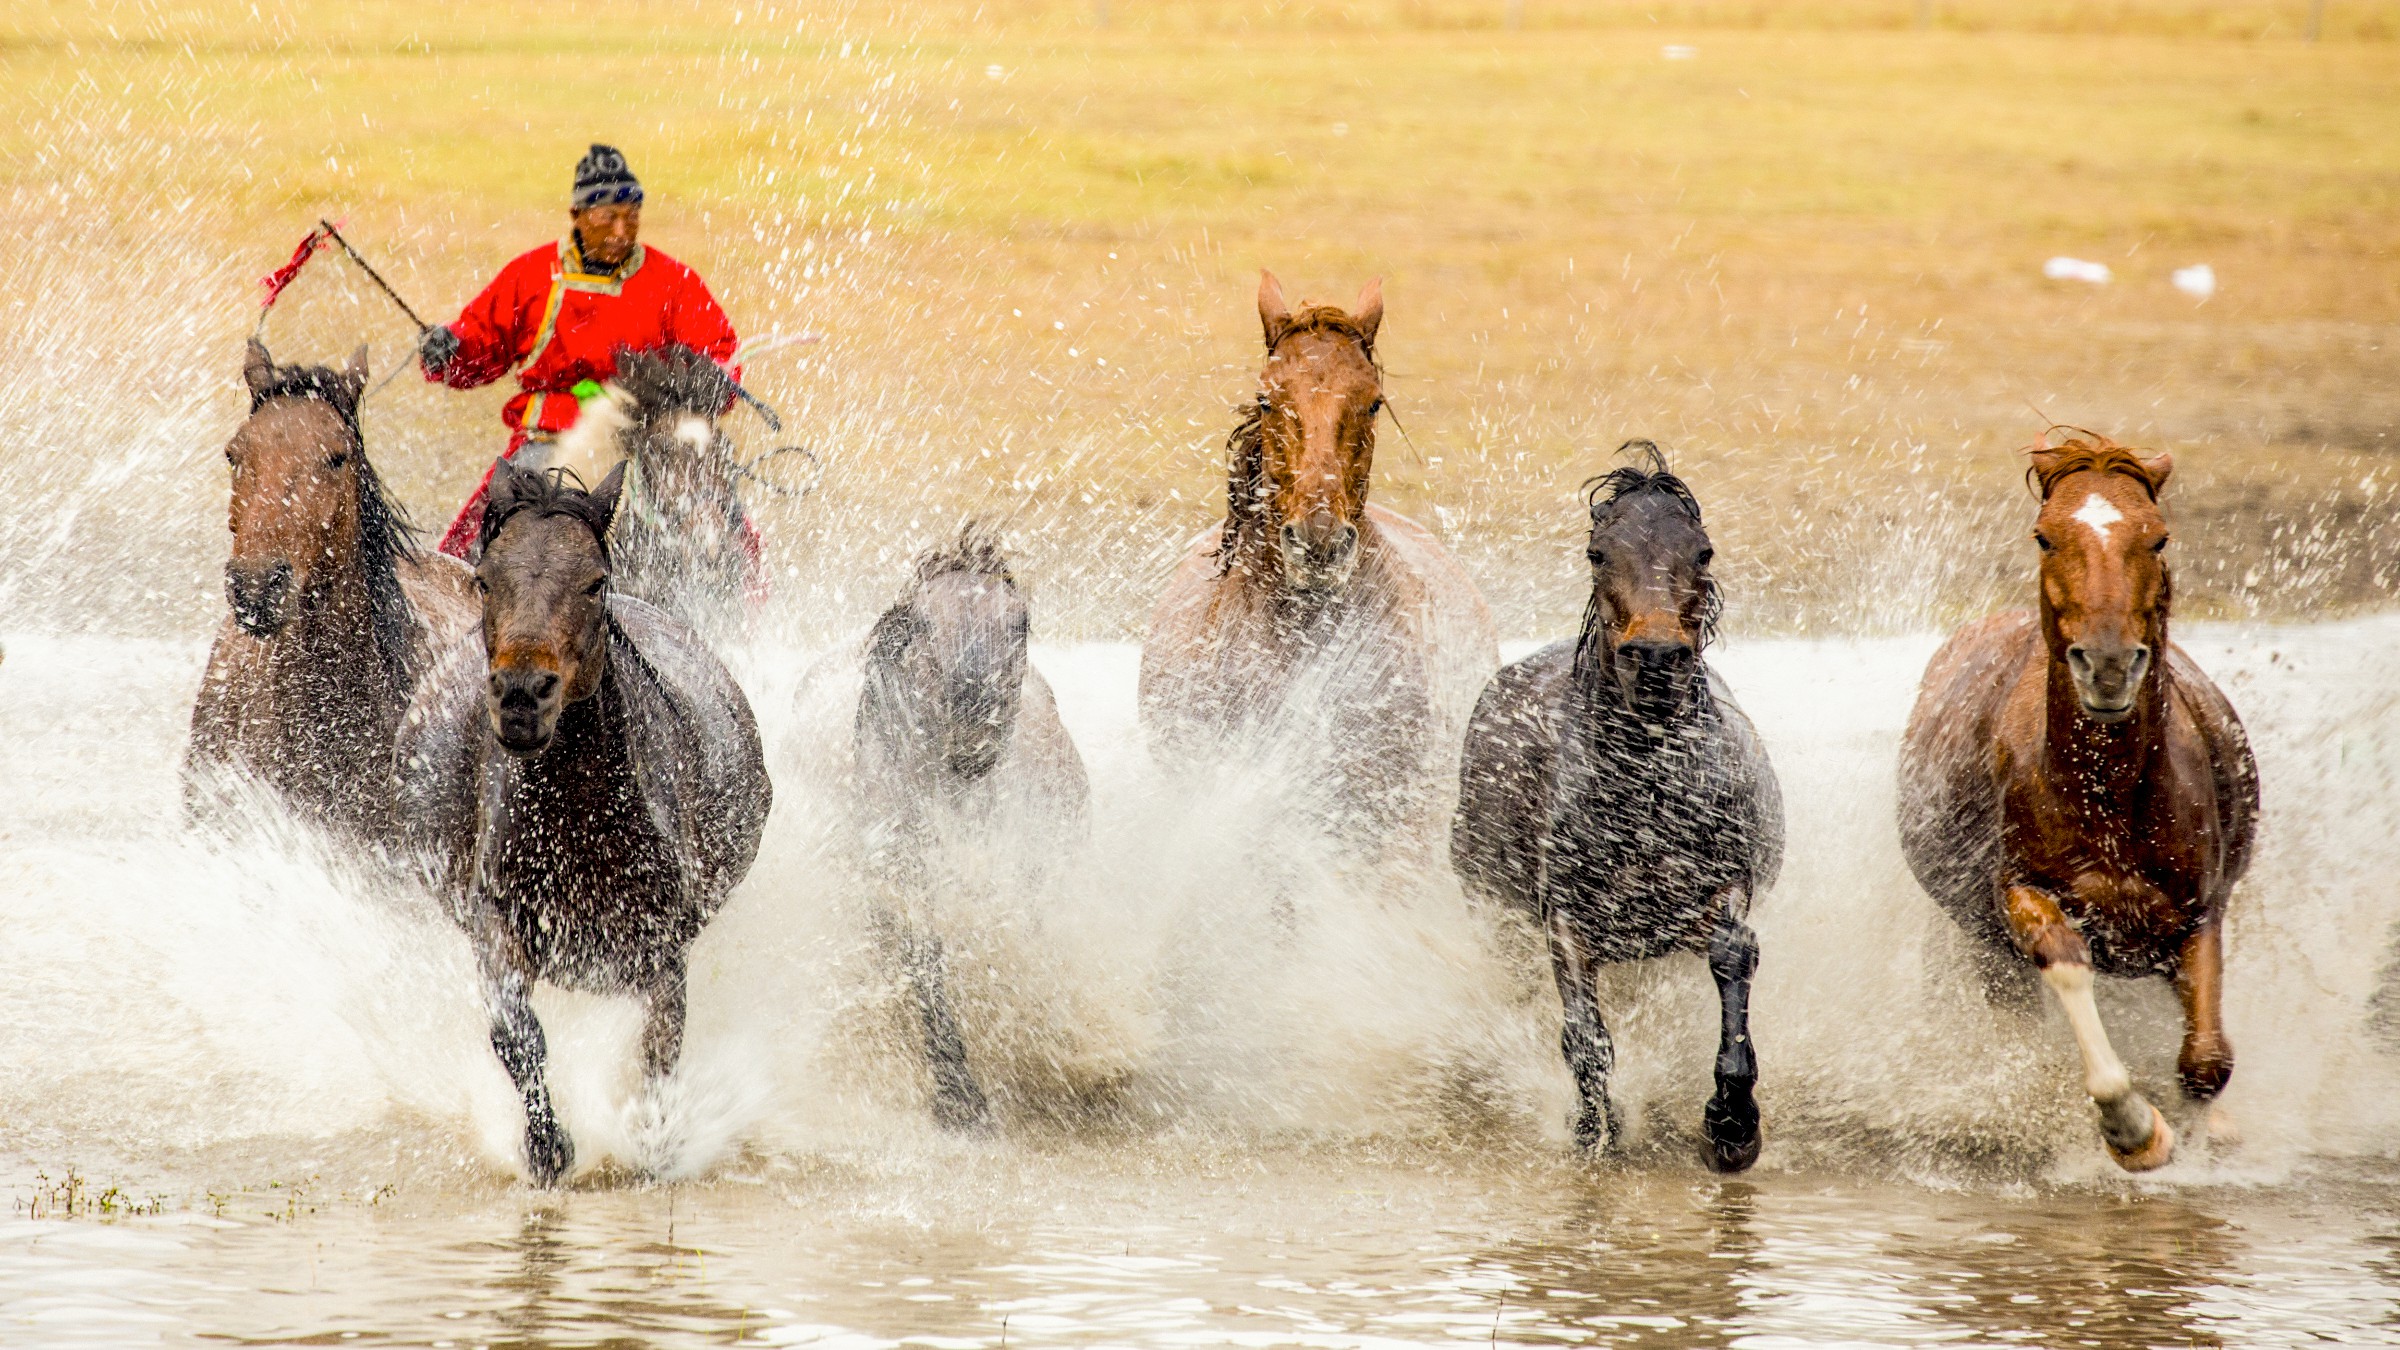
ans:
(681, 539)
(585, 782)
(957, 745)
(1612, 789)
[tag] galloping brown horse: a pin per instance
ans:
(2073, 788)
(1311, 614)
(334, 610)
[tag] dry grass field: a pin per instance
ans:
(1800, 244)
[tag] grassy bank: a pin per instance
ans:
(1800, 244)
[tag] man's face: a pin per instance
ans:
(608, 232)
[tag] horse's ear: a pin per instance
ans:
(1274, 316)
(506, 486)
(2046, 462)
(354, 373)
(1369, 312)
(607, 494)
(2160, 467)
(258, 368)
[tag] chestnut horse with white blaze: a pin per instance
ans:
(2074, 789)
(1313, 614)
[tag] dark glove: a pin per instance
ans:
(437, 348)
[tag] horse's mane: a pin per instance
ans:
(1246, 490)
(674, 379)
(2081, 451)
(976, 552)
(386, 535)
(1628, 481)
(552, 492)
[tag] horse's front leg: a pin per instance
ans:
(517, 1038)
(958, 1101)
(1583, 1038)
(1730, 1124)
(662, 1023)
(2137, 1135)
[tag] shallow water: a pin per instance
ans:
(1339, 1127)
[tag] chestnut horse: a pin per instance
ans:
(585, 784)
(333, 609)
(2074, 789)
(1311, 613)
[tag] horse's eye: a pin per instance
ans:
(1707, 556)
(482, 587)
(596, 587)
(2161, 545)
(2043, 540)
(1598, 558)
(336, 461)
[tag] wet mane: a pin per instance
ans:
(674, 379)
(1324, 319)
(1246, 488)
(386, 535)
(1633, 480)
(976, 552)
(549, 494)
(2085, 450)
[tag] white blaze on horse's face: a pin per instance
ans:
(2098, 513)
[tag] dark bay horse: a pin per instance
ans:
(1612, 789)
(1311, 613)
(2074, 790)
(334, 610)
(585, 784)
(961, 766)
(682, 540)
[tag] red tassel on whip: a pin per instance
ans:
(275, 281)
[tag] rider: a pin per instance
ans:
(564, 311)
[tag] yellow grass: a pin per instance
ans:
(1806, 258)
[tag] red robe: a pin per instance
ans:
(565, 326)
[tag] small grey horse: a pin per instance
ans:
(959, 757)
(1612, 788)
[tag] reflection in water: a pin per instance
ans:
(1331, 1250)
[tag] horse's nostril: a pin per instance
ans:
(544, 685)
(2078, 657)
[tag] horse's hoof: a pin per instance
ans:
(1596, 1131)
(962, 1113)
(549, 1155)
(1729, 1148)
(2155, 1152)
(2204, 1067)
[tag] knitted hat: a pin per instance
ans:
(601, 179)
